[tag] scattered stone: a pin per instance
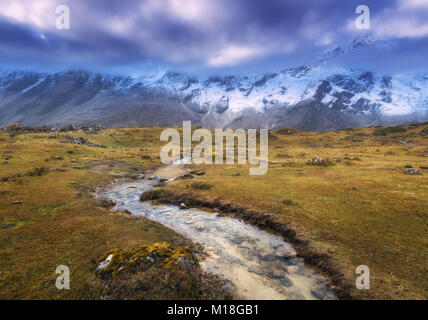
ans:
(16, 128)
(198, 172)
(407, 143)
(411, 171)
(330, 296)
(182, 206)
(268, 257)
(185, 177)
(138, 176)
(285, 281)
(84, 141)
(319, 291)
(185, 264)
(200, 186)
(289, 202)
(295, 296)
(104, 264)
(160, 185)
(8, 226)
(317, 161)
(286, 253)
(17, 202)
(275, 273)
(255, 270)
(108, 204)
(150, 259)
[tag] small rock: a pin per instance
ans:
(268, 257)
(286, 253)
(104, 264)
(17, 202)
(330, 296)
(295, 296)
(411, 171)
(319, 291)
(317, 161)
(275, 273)
(285, 281)
(8, 226)
(229, 286)
(185, 264)
(138, 176)
(255, 270)
(182, 206)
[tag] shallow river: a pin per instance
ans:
(257, 264)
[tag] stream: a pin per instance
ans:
(258, 265)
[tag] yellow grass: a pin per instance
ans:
(59, 222)
(361, 212)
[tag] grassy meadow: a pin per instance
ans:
(358, 206)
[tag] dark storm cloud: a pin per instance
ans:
(205, 33)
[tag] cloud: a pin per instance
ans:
(234, 54)
(413, 4)
(407, 19)
(192, 33)
(397, 27)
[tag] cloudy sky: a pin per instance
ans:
(206, 36)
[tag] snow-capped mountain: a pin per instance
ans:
(309, 98)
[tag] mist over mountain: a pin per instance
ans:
(326, 96)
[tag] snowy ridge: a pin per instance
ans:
(336, 94)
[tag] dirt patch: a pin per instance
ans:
(168, 172)
(103, 167)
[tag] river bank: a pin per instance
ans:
(258, 265)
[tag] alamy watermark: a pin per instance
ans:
(363, 281)
(363, 20)
(203, 152)
(63, 280)
(63, 20)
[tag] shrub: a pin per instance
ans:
(385, 131)
(38, 172)
(152, 195)
(201, 186)
(14, 126)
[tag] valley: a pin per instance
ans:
(343, 198)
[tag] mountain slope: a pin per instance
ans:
(309, 98)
